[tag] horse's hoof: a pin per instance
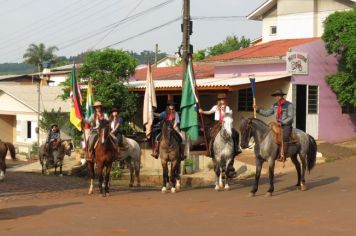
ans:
(130, 185)
(303, 187)
(227, 188)
(138, 185)
(217, 188)
(251, 194)
(90, 192)
(107, 195)
(164, 190)
(268, 194)
(173, 190)
(221, 186)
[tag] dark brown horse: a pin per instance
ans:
(105, 155)
(4, 147)
(170, 152)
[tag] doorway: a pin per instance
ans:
(301, 107)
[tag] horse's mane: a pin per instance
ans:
(259, 123)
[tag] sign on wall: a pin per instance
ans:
(297, 63)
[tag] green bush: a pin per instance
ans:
(188, 162)
(116, 172)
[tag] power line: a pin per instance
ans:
(114, 27)
(144, 32)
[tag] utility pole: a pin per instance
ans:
(156, 54)
(187, 27)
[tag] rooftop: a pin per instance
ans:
(273, 49)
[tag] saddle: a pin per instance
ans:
(277, 132)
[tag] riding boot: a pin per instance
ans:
(210, 152)
(91, 156)
(237, 149)
(282, 153)
(181, 151)
(156, 150)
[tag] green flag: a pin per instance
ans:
(188, 106)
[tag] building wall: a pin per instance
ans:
(269, 19)
(7, 128)
(333, 125)
(241, 70)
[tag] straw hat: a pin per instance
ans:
(221, 96)
(278, 92)
(97, 104)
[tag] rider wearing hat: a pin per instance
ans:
(284, 111)
(169, 114)
(94, 124)
(219, 111)
(54, 135)
(116, 122)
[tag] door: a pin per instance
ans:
(301, 106)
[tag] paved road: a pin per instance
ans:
(35, 205)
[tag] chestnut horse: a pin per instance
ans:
(4, 147)
(105, 155)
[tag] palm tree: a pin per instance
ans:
(37, 54)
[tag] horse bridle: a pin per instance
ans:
(249, 126)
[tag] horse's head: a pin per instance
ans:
(227, 125)
(103, 130)
(246, 132)
(67, 147)
(167, 128)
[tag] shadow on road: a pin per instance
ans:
(23, 211)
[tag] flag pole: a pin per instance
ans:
(252, 81)
(200, 114)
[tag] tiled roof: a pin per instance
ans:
(275, 48)
(175, 72)
(207, 82)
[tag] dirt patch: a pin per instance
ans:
(337, 151)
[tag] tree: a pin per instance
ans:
(37, 54)
(109, 70)
(339, 37)
(199, 55)
(231, 43)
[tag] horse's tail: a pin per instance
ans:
(311, 153)
(11, 148)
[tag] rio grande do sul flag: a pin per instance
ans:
(75, 115)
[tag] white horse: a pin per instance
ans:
(223, 153)
(132, 158)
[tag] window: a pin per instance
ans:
(245, 100)
(348, 109)
(312, 99)
(273, 30)
(29, 129)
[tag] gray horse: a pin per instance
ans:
(266, 149)
(55, 157)
(224, 153)
(132, 158)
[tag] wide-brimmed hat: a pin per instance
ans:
(221, 96)
(114, 109)
(97, 104)
(278, 92)
(171, 103)
(52, 125)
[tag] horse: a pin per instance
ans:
(57, 151)
(132, 158)
(266, 149)
(170, 152)
(223, 153)
(105, 155)
(4, 147)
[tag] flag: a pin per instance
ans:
(75, 116)
(89, 101)
(188, 106)
(253, 81)
(149, 102)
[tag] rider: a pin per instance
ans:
(220, 109)
(54, 135)
(284, 115)
(116, 123)
(94, 124)
(169, 115)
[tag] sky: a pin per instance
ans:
(75, 26)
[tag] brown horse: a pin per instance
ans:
(170, 152)
(105, 155)
(4, 147)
